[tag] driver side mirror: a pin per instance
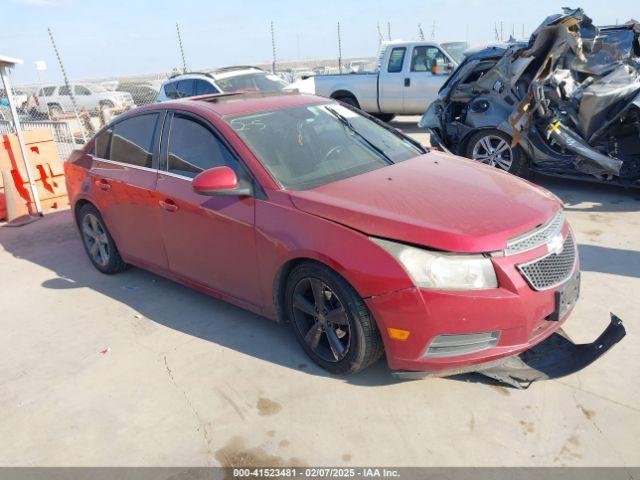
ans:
(219, 181)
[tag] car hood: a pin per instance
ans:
(435, 200)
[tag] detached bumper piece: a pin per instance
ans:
(554, 357)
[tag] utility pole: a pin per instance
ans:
(273, 48)
(523, 31)
(433, 30)
(66, 83)
(389, 30)
(380, 36)
(339, 49)
(501, 30)
(184, 61)
(420, 32)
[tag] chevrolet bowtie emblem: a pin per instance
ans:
(555, 245)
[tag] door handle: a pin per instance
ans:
(169, 205)
(102, 185)
(407, 82)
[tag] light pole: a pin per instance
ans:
(41, 66)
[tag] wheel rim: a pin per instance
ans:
(321, 319)
(494, 151)
(95, 238)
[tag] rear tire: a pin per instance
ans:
(347, 320)
(384, 117)
(493, 147)
(98, 242)
(349, 100)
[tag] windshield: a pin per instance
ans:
(456, 50)
(259, 82)
(311, 145)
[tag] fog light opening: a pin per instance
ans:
(448, 345)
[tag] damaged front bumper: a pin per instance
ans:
(555, 357)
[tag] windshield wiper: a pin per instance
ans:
(345, 121)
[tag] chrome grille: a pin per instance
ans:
(536, 237)
(552, 269)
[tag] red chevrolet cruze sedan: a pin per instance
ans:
(309, 212)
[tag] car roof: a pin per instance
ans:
(236, 72)
(239, 103)
(407, 43)
(224, 72)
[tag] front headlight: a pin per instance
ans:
(440, 270)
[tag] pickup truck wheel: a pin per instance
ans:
(330, 320)
(385, 117)
(349, 101)
(493, 147)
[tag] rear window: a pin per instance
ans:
(205, 88)
(101, 144)
(133, 139)
(170, 90)
(396, 59)
(179, 89)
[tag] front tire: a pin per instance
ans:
(493, 147)
(330, 320)
(98, 242)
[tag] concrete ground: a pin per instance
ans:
(133, 369)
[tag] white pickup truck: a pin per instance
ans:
(407, 79)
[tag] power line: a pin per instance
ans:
(184, 61)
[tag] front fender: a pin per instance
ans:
(285, 234)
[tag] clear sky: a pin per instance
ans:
(101, 38)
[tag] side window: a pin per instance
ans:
(205, 88)
(424, 59)
(396, 59)
(101, 144)
(64, 90)
(170, 90)
(80, 90)
(184, 88)
(193, 148)
(132, 141)
(47, 91)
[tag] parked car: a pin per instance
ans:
(57, 98)
(557, 108)
(408, 78)
(142, 93)
(305, 211)
(223, 80)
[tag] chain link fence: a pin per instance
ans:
(98, 101)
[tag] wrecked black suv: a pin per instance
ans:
(565, 103)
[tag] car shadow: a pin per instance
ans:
(54, 243)
(615, 261)
(580, 195)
